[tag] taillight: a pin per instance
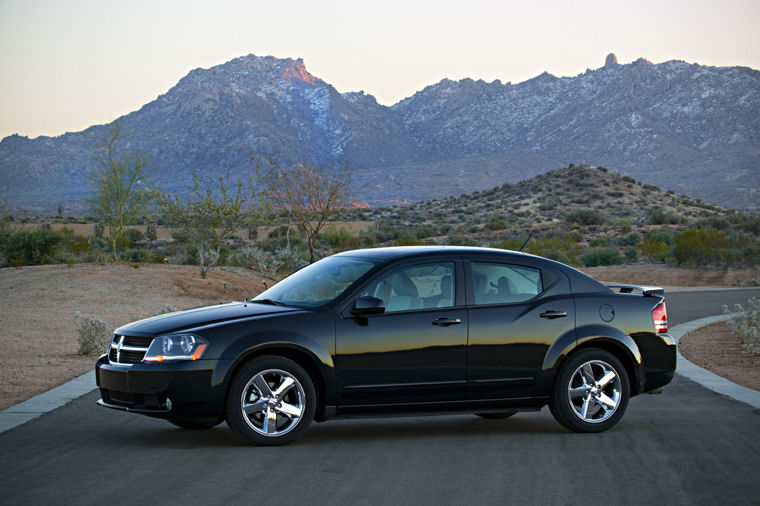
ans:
(660, 318)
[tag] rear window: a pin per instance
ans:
(496, 283)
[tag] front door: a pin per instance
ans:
(415, 352)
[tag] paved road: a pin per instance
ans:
(686, 446)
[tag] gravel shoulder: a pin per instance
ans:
(38, 332)
(719, 351)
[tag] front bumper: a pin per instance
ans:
(167, 389)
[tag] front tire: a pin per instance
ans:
(271, 401)
(590, 392)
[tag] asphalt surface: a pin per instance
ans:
(686, 446)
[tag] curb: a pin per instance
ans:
(706, 378)
(84, 384)
(50, 400)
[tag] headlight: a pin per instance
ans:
(176, 347)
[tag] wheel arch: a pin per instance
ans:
(301, 356)
(616, 342)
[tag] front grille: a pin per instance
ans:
(128, 349)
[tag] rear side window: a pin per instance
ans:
(504, 283)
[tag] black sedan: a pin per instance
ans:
(398, 330)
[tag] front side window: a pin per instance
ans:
(417, 287)
(504, 283)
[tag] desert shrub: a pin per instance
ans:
(631, 254)
(654, 249)
(661, 234)
(132, 235)
(75, 244)
(94, 334)
(660, 217)
(289, 260)
(457, 239)
(258, 260)
(746, 324)
(700, 246)
(425, 230)
(32, 247)
(631, 239)
(495, 223)
(598, 242)
(141, 255)
(337, 237)
(601, 256)
(585, 217)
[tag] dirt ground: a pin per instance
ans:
(718, 350)
(38, 332)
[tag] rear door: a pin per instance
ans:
(515, 312)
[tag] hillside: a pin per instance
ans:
(589, 201)
(686, 127)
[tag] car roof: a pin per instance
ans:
(394, 252)
(581, 282)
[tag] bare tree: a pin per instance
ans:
(213, 210)
(121, 196)
(311, 196)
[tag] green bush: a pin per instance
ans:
(654, 249)
(631, 254)
(32, 247)
(660, 217)
(601, 256)
(132, 235)
(661, 234)
(631, 239)
(598, 242)
(585, 217)
(141, 255)
(700, 246)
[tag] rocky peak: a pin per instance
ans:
(611, 60)
(297, 72)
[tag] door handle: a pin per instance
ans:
(552, 314)
(445, 322)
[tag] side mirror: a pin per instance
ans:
(368, 305)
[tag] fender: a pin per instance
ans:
(606, 337)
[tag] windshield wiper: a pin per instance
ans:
(268, 301)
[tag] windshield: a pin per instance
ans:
(319, 283)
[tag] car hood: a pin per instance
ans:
(201, 316)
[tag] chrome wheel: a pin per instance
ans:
(594, 391)
(591, 391)
(273, 402)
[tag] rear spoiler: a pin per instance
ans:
(646, 291)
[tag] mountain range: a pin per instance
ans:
(685, 127)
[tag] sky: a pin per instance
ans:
(69, 64)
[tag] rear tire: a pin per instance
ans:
(591, 391)
(271, 401)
